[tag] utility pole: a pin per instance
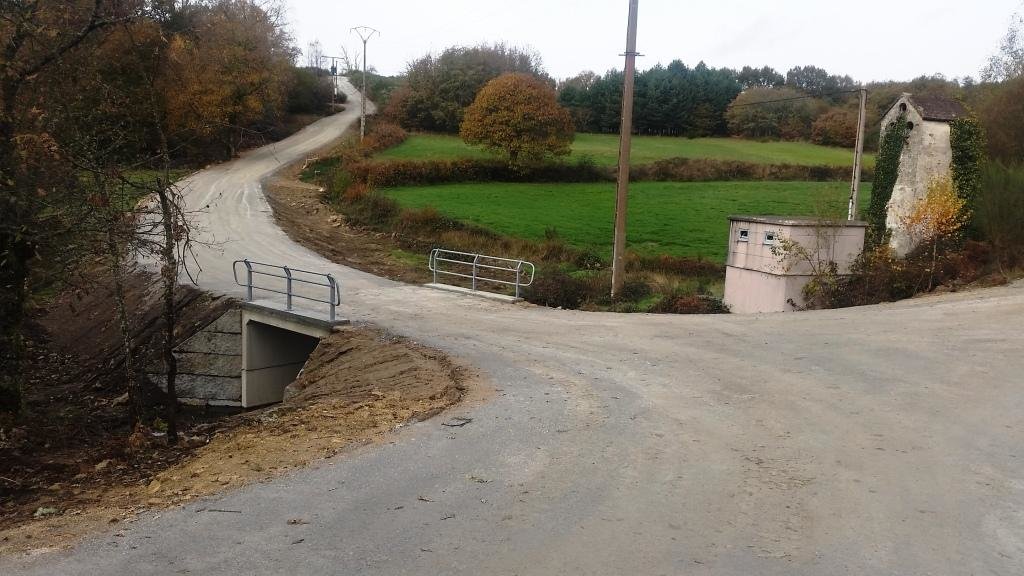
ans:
(365, 33)
(334, 79)
(858, 157)
(625, 137)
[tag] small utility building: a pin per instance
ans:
(927, 155)
(761, 276)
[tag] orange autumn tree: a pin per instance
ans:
(936, 219)
(518, 116)
(229, 74)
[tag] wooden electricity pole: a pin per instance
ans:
(625, 136)
(858, 157)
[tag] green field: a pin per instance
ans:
(678, 218)
(604, 149)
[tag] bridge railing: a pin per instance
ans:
(288, 282)
(481, 268)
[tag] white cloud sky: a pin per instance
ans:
(869, 39)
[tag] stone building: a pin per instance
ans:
(926, 155)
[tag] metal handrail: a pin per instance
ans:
(476, 262)
(334, 288)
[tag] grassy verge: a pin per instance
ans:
(685, 219)
(603, 149)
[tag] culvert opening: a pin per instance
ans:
(273, 358)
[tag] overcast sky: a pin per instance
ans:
(869, 39)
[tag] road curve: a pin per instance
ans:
(880, 440)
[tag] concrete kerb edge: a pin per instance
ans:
(479, 294)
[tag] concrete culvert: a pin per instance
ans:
(273, 358)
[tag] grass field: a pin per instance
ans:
(603, 148)
(678, 218)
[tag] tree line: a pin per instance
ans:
(806, 103)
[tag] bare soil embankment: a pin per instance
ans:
(300, 210)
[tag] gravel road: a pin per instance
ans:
(880, 440)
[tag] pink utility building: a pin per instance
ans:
(758, 279)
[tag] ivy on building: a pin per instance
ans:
(887, 169)
(967, 140)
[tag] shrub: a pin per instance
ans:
(554, 249)
(711, 170)
(392, 173)
(935, 221)
(1000, 212)
(878, 275)
(427, 172)
(693, 267)
(690, 304)
(424, 221)
(339, 183)
(369, 209)
(835, 128)
(824, 285)
(1001, 110)
(588, 260)
(555, 288)
(634, 289)
(383, 135)
(355, 192)
(308, 92)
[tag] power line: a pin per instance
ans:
(794, 98)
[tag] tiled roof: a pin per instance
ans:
(938, 108)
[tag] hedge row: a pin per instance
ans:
(427, 172)
(710, 170)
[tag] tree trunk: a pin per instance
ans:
(131, 376)
(15, 252)
(169, 277)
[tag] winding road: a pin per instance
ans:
(879, 440)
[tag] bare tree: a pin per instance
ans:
(350, 61)
(1008, 63)
(315, 56)
(168, 237)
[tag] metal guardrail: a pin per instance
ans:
(481, 268)
(253, 269)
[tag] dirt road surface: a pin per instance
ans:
(879, 440)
